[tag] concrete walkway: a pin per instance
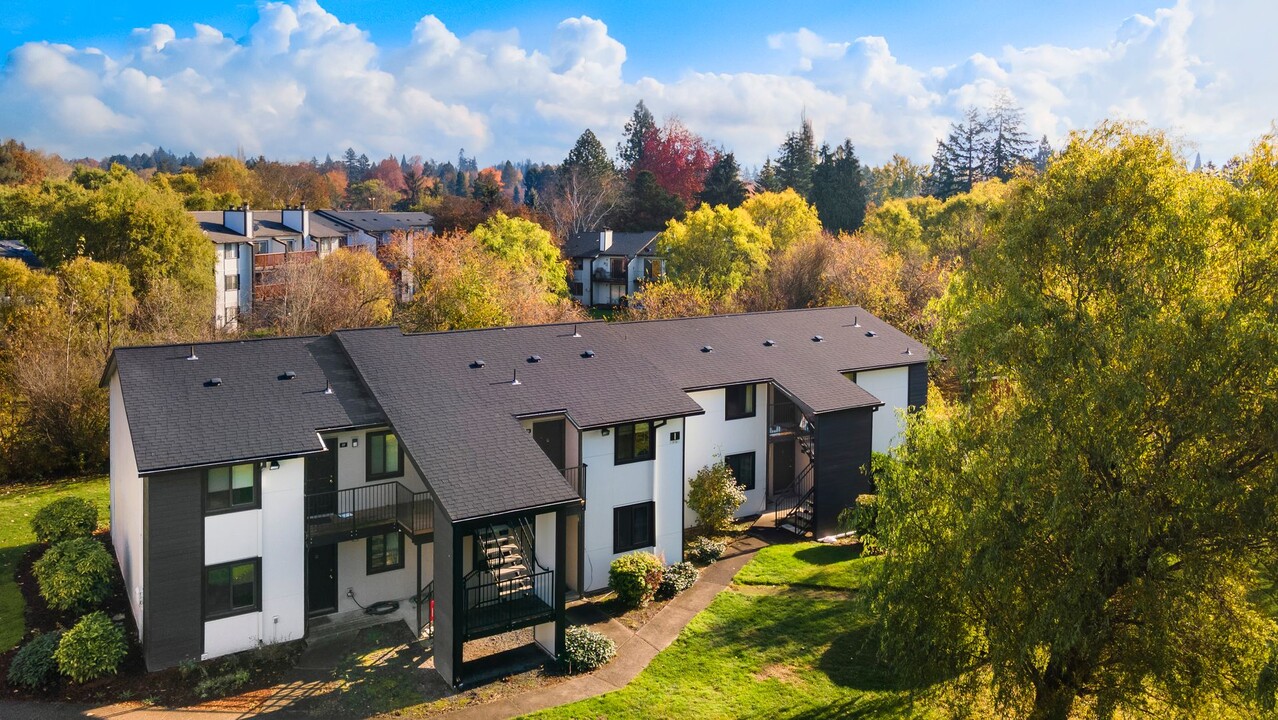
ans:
(634, 649)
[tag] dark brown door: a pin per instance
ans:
(549, 434)
(321, 580)
(321, 481)
(782, 466)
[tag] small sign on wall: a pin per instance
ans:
(674, 436)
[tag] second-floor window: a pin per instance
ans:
(577, 289)
(385, 456)
(739, 402)
(633, 443)
(232, 282)
(230, 488)
(231, 251)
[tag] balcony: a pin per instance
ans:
(614, 278)
(358, 512)
(498, 606)
(270, 261)
(576, 477)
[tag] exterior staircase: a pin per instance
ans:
(503, 559)
(799, 519)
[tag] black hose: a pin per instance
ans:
(381, 607)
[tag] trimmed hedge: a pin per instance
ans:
(75, 574)
(93, 648)
(677, 578)
(635, 578)
(34, 666)
(63, 519)
(586, 649)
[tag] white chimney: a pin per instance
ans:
(297, 219)
(239, 220)
(605, 240)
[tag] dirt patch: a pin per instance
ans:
(782, 673)
(631, 618)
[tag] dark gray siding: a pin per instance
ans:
(448, 596)
(173, 568)
(843, 441)
(917, 391)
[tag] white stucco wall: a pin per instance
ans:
(609, 486)
(126, 503)
(352, 572)
(352, 462)
(274, 533)
(223, 267)
(544, 526)
(892, 386)
(711, 438)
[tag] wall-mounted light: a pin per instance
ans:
(275, 464)
(605, 432)
(354, 442)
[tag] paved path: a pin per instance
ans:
(635, 649)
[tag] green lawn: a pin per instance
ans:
(17, 504)
(791, 639)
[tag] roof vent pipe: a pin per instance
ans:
(574, 332)
(514, 379)
(328, 388)
(192, 356)
(908, 352)
(856, 321)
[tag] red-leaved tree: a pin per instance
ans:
(678, 158)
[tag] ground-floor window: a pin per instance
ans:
(232, 588)
(634, 527)
(385, 552)
(742, 466)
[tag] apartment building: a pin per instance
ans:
(608, 267)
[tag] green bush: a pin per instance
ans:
(714, 495)
(33, 667)
(586, 649)
(704, 550)
(635, 578)
(75, 574)
(222, 684)
(862, 518)
(93, 648)
(677, 578)
(63, 519)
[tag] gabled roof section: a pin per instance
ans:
(17, 250)
(458, 419)
(210, 222)
(178, 418)
(810, 371)
(586, 244)
(376, 221)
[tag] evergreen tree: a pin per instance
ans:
(960, 159)
(514, 195)
(588, 156)
(838, 189)
(1042, 155)
(797, 159)
(723, 183)
(767, 179)
(459, 184)
(640, 125)
(351, 161)
(648, 205)
(1009, 145)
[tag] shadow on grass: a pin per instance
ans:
(828, 554)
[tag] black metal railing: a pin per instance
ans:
(576, 477)
(425, 602)
(368, 509)
(789, 499)
(494, 606)
(603, 275)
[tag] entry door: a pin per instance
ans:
(782, 466)
(549, 434)
(321, 580)
(321, 477)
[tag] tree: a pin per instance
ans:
(390, 173)
(723, 184)
(640, 125)
(897, 178)
(369, 195)
(714, 495)
(961, 159)
(1042, 155)
(226, 176)
(487, 188)
(663, 300)
(838, 189)
(678, 158)
(716, 249)
(796, 277)
(527, 246)
(784, 216)
(648, 206)
(586, 190)
(1086, 531)
(1009, 145)
(344, 289)
(797, 159)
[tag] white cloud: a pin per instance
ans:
(303, 83)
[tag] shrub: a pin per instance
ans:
(75, 574)
(586, 649)
(862, 517)
(704, 550)
(63, 519)
(33, 667)
(635, 578)
(93, 648)
(870, 546)
(714, 495)
(222, 684)
(677, 578)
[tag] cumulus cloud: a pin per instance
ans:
(304, 82)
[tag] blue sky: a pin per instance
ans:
(889, 75)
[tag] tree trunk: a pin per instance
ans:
(1053, 696)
